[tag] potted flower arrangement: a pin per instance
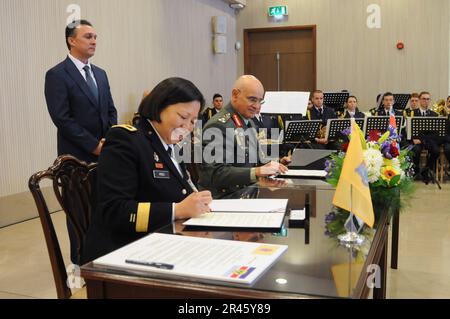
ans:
(389, 172)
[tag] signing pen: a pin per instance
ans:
(150, 264)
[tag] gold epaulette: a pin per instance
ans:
(308, 114)
(127, 127)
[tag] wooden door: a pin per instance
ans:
(284, 58)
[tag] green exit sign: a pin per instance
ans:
(278, 11)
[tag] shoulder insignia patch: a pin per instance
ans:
(127, 127)
(224, 118)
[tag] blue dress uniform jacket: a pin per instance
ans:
(358, 115)
(81, 120)
(137, 184)
(382, 112)
(207, 114)
(327, 113)
(240, 154)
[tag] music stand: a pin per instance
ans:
(415, 126)
(401, 101)
(380, 123)
(336, 100)
(336, 126)
(299, 131)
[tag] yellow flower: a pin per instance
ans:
(388, 172)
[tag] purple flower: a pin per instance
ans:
(347, 131)
(329, 217)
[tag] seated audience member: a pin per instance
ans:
(232, 156)
(320, 112)
(208, 113)
(141, 186)
(263, 124)
(413, 105)
(447, 138)
(351, 110)
(425, 141)
(387, 106)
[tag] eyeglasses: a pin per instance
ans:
(425, 98)
(254, 100)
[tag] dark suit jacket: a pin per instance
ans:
(207, 114)
(358, 115)
(327, 113)
(81, 121)
(382, 112)
(137, 184)
(266, 124)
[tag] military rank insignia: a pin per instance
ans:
(225, 118)
(156, 157)
(237, 121)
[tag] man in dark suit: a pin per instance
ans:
(425, 141)
(79, 101)
(78, 96)
(388, 106)
(208, 113)
(320, 112)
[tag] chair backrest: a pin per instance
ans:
(74, 186)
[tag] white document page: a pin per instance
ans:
(285, 102)
(247, 220)
(305, 173)
(211, 259)
(257, 205)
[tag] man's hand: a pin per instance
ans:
(416, 141)
(323, 141)
(271, 169)
(286, 160)
(98, 149)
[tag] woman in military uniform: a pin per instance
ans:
(351, 110)
(141, 186)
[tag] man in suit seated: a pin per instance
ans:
(320, 112)
(232, 156)
(79, 101)
(209, 112)
(425, 141)
(387, 106)
(413, 105)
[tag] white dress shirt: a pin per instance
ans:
(80, 65)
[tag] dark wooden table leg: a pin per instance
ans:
(394, 243)
(380, 291)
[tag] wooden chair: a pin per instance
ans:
(441, 165)
(73, 184)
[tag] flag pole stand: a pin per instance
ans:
(351, 238)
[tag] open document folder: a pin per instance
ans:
(195, 257)
(243, 213)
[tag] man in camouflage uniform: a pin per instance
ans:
(232, 156)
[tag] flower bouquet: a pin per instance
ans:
(389, 173)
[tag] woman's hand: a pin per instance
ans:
(193, 205)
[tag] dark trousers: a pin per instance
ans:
(433, 154)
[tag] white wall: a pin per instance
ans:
(365, 61)
(140, 42)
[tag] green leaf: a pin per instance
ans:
(384, 137)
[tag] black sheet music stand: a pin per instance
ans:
(401, 101)
(381, 124)
(299, 131)
(336, 100)
(418, 126)
(336, 126)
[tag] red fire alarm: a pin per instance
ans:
(400, 45)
